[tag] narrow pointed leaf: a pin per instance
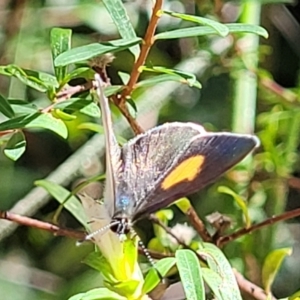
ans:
(239, 201)
(36, 120)
(152, 279)
(119, 15)
(60, 43)
(60, 194)
(218, 263)
(98, 294)
(89, 51)
(190, 274)
(87, 107)
(184, 77)
(272, 265)
(32, 81)
(6, 108)
(206, 30)
(214, 281)
(166, 77)
(21, 107)
(47, 121)
(221, 29)
(16, 146)
(83, 72)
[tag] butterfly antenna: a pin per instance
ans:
(147, 254)
(100, 230)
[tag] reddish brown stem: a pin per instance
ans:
(221, 241)
(5, 132)
(289, 97)
(22, 220)
(198, 225)
(294, 182)
(147, 43)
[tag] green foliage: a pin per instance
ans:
(62, 196)
(63, 111)
(190, 274)
(271, 266)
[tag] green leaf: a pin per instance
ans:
(76, 190)
(183, 204)
(87, 107)
(221, 29)
(98, 262)
(119, 15)
(36, 120)
(113, 89)
(47, 79)
(89, 51)
(59, 114)
(47, 121)
(271, 266)
(99, 129)
(32, 81)
(295, 296)
(83, 72)
(98, 294)
(5, 107)
(217, 262)
(94, 260)
(21, 107)
(165, 77)
(91, 110)
(77, 297)
(60, 194)
(60, 43)
(205, 30)
(152, 279)
(124, 77)
(214, 281)
(184, 77)
(16, 146)
(247, 28)
(239, 201)
(190, 274)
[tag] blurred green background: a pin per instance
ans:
(36, 265)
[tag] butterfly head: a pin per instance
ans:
(120, 225)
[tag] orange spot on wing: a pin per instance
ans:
(185, 171)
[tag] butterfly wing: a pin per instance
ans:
(175, 160)
(113, 151)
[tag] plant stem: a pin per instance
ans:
(147, 43)
(244, 104)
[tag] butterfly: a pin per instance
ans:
(165, 163)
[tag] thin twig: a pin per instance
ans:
(135, 73)
(198, 225)
(275, 219)
(147, 43)
(250, 288)
(69, 91)
(137, 129)
(26, 221)
(168, 230)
